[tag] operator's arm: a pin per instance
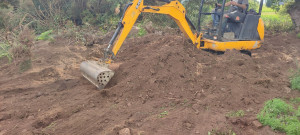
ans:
(226, 4)
(244, 6)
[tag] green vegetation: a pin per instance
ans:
(276, 5)
(4, 51)
(45, 17)
(298, 112)
(163, 114)
(142, 31)
(295, 100)
(50, 127)
(276, 21)
(216, 132)
(238, 113)
(280, 116)
(295, 80)
(45, 36)
(298, 35)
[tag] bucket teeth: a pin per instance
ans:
(96, 73)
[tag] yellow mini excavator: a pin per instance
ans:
(250, 35)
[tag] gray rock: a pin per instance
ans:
(124, 131)
(257, 124)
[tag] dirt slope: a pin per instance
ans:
(163, 86)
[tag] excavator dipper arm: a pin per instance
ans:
(98, 72)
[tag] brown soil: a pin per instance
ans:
(163, 86)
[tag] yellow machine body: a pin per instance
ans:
(177, 12)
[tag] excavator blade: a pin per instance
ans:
(96, 73)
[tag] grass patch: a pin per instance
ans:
(45, 36)
(295, 83)
(216, 132)
(298, 112)
(298, 35)
(276, 22)
(238, 113)
(142, 32)
(4, 51)
(163, 114)
(280, 116)
(295, 100)
(295, 80)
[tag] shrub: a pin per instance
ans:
(276, 22)
(192, 9)
(142, 31)
(20, 51)
(295, 100)
(295, 80)
(26, 37)
(280, 116)
(4, 17)
(295, 83)
(238, 113)
(4, 51)
(45, 36)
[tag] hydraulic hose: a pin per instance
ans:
(120, 26)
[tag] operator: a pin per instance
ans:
(236, 12)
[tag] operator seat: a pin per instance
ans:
(249, 27)
(246, 28)
(235, 26)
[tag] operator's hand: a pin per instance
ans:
(233, 3)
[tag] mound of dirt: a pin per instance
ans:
(164, 85)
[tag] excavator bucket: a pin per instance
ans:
(96, 73)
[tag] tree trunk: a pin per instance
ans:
(295, 14)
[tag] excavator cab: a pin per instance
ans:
(237, 29)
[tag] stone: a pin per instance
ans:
(230, 76)
(124, 131)
(188, 125)
(152, 71)
(257, 124)
(288, 90)
(250, 109)
(223, 89)
(30, 118)
(161, 64)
